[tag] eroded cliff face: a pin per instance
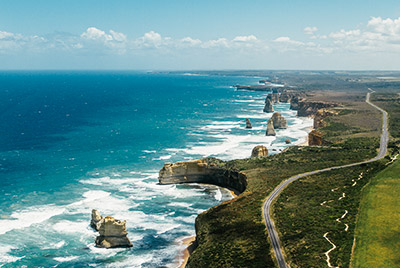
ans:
(321, 115)
(270, 128)
(206, 170)
(308, 108)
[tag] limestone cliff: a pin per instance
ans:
(315, 137)
(206, 170)
(279, 121)
(112, 231)
(285, 97)
(321, 115)
(248, 123)
(270, 129)
(268, 108)
(259, 151)
(308, 108)
(294, 103)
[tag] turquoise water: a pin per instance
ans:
(74, 141)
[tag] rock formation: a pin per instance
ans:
(259, 151)
(308, 108)
(268, 108)
(112, 232)
(279, 121)
(294, 103)
(320, 115)
(206, 170)
(96, 219)
(275, 96)
(270, 129)
(248, 123)
(284, 97)
(288, 141)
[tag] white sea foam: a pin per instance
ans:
(65, 259)
(5, 257)
(25, 218)
(164, 157)
(218, 195)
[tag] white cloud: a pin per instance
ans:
(190, 41)
(385, 26)
(248, 38)
(310, 30)
(120, 37)
(92, 33)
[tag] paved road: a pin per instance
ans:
(273, 235)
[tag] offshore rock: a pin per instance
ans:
(288, 141)
(259, 151)
(96, 219)
(248, 123)
(268, 108)
(113, 234)
(279, 121)
(270, 129)
(275, 96)
(207, 170)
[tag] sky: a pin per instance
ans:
(199, 35)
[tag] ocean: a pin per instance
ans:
(71, 142)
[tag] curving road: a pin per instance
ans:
(273, 235)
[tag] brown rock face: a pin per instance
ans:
(294, 103)
(315, 137)
(268, 108)
(112, 232)
(270, 129)
(279, 121)
(206, 170)
(248, 123)
(259, 151)
(307, 108)
(320, 115)
(284, 97)
(288, 141)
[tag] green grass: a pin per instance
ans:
(302, 220)
(391, 103)
(233, 234)
(378, 225)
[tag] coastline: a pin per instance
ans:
(190, 243)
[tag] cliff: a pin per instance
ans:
(206, 170)
(321, 115)
(308, 108)
(315, 137)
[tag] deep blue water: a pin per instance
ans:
(73, 141)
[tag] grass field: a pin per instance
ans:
(378, 225)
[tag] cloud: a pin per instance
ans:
(92, 33)
(248, 38)
(385, 26)
(310, 30)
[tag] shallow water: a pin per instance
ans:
(74, 141)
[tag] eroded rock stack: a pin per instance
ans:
(275, 96)
(284, 97)
(268, 108)
(279, 121)
(270, 128)
(112, 232)
(259, 151)
(248, 123)
(288, 141)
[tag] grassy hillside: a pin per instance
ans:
(378, 228)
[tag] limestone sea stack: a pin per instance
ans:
(279, 121)
(96, 219)
(248, 123)
(288, 141)
(259, 151)
(268, 108)
(275, 96)
(112, 232)
(270, 129)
